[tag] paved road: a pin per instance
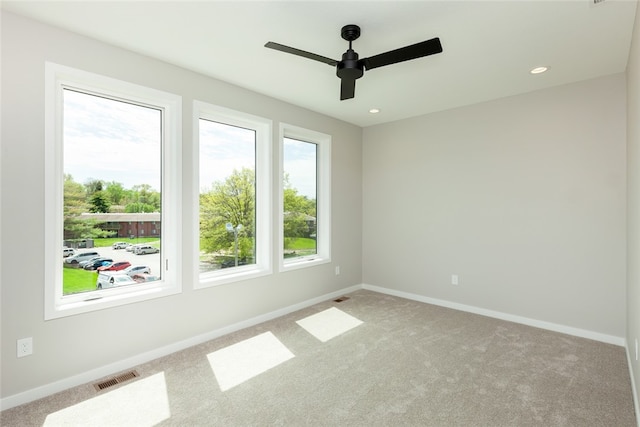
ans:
(152, 260)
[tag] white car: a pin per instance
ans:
(120, 245)
(108, 279)
(137, 269)
(66, 252)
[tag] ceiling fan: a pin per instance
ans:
(351, 68)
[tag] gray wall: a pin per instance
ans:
(524, 198)
(633, 212)
(74, 345)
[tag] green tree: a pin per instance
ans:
(93, 186)
(298, 211)
(99, 202)
(74, 204)
(115, 192)
(139, 207)
(230, 201)
(145, 196)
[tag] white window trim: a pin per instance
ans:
(323, 198)
(57, 78)
(263, 176)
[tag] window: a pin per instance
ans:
(233, 176)
(305, 211)
(112, 159)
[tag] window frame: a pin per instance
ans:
(323, 198)
(263, 193)
(57, 79)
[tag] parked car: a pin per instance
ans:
(87, 261)
(99, 262)
(137, 269)
(146, 249)
(111, 279)
(132, 248)
(120, 245)
(82, 256)
(67, 252)
(232, 263)
(143, 277)
(116, 266)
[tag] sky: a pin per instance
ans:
(224, 148)
(111, 141)
(300, 162)
(118, 141)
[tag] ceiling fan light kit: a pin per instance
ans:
(351, 67)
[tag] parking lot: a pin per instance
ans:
(152, 260)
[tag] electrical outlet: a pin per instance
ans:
(454, 279)
(337, 270)
(25, 347)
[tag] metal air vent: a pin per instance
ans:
(116, 380)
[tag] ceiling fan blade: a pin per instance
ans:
(414, 51)
(347, 89)
(298, 52)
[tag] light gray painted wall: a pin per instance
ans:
(523, 198)
(74, 345)
(633, 212)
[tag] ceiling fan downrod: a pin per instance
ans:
(350, 68)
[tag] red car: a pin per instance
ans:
(115, 266)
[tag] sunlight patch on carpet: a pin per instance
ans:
(240, 362)
(329, 323)
(142, 403)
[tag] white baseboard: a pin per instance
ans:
(112, 368)
(634, 390)
(609, 339)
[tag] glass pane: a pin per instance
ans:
(112, 193)
(300, 199)
(227, 196)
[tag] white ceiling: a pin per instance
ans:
(489, 46)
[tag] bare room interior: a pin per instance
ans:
(462, 249)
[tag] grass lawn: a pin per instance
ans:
(299, 247)
(103, 243)
(76, 280)
(300, 243)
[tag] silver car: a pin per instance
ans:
(146, 249)
(137, 269)
(82, 256)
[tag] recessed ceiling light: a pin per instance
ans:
(374, 110)
(539, 70)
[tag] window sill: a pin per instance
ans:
(234, 274)
(303, 263)
(107, 298)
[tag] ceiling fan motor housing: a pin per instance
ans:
(350, 67)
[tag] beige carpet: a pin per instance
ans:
(371, 360)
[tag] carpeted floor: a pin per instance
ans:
(371, 360)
